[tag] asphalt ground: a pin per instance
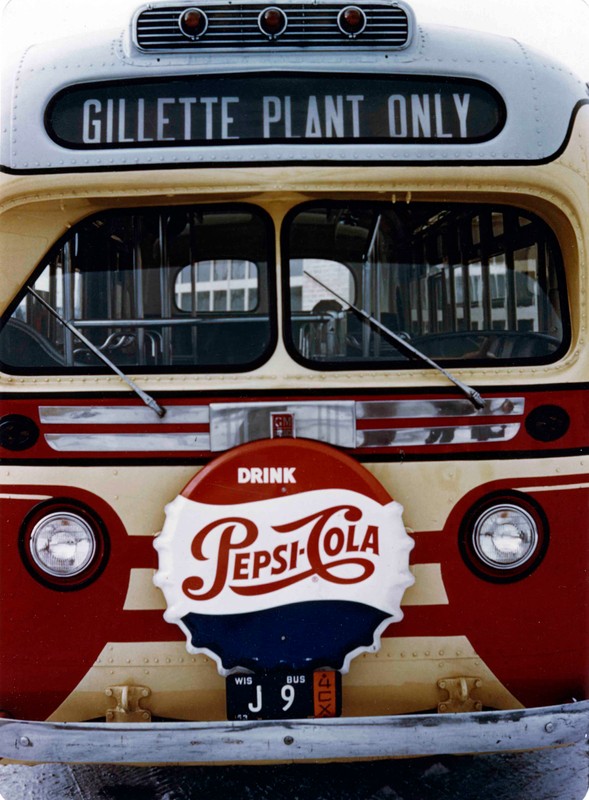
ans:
(561, 774)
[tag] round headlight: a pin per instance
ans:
(63, 546)
(504, 541)
(505, 536)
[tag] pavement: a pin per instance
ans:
(560, 774)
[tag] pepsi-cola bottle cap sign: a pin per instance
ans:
(283, 554)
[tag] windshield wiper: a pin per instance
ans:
(404, 346)
(147, 399)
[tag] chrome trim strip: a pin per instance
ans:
(333, 422)
(408, 409)
(127, 442)
(122, 415)
(346, 738)
(412, 437)
(232, 424)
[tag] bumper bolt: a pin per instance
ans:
(24, 741)
(549, 727)
(288, 740)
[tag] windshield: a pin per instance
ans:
(191, 289)
(170, 289)
(475, 283)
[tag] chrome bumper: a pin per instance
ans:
(295, 740)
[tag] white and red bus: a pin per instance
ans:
(294, 384)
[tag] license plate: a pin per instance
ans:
(284, 695)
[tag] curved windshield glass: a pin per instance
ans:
(167, 289)
(476, 283)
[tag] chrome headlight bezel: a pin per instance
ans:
(504, 538)
(63, 545)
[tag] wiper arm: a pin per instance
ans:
(472, 394)
(147, 399)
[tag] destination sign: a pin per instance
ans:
(274, 108)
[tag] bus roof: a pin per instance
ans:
(443, 96)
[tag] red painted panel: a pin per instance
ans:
(531, 633)
(50, 638)
(574, 402)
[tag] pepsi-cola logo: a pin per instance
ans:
(264, 554)
(326, 550)
(280, 545)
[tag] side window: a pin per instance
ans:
(229, 285)
(459, 282)
(317, 326)
(174, 289)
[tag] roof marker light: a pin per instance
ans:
(351, 21)
(193, 23)
(272, 22)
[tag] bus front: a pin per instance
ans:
(294, 390)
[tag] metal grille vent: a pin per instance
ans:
(236, 26)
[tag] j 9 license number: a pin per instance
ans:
(284, 695)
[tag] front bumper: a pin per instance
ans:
(295, 740)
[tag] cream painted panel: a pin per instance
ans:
(182, 686)
(401, 677)
(30, 224)
(139, 494)
(427, 590)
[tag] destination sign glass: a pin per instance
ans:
(274, 108)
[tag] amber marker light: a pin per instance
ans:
(351, 21)
(272, 22)
(193, 23)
